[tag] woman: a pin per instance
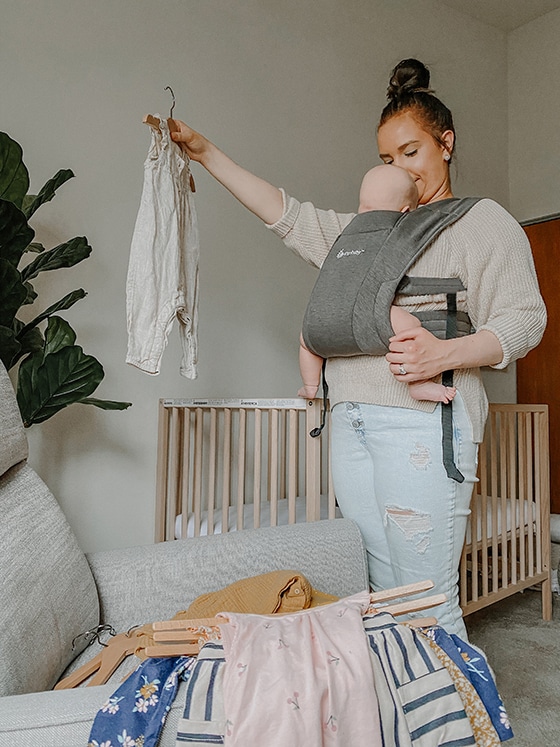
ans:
(386, 447)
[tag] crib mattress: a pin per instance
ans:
(249, 515)
(529, 509)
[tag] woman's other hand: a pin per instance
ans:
(422, 355)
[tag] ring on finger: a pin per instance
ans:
(402, 370)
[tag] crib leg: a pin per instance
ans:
(546, 591)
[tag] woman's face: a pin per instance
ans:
(404, 142)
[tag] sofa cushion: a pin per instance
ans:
(47, 592)
(12, 435)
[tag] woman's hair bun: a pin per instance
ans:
(408, 77)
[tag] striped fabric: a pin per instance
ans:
(419, 704)
(203, 719)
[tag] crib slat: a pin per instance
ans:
(293, 442)
(484, 522)
(197, 470)
(282, 440)
(524, 516)
(257, 470)
(273, 466)
(241, 445)
(162, 471)
(173, 502)
(212, 466)
(226, 470)
(511, 493)
(494, 498)
(538, 490)
(185, 491)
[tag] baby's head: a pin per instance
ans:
(388, 187)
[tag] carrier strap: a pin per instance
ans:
(315, 432)
(455, 324)
(446, 408)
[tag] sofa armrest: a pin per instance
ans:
(143, 584)
(63, 718)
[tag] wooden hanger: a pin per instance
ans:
(154, 123)
(185, 637)
(106, 662)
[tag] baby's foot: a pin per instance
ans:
(431, 391)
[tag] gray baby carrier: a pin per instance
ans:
(349, 309)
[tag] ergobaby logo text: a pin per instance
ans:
(342, 253)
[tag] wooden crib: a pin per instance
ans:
(231, 464)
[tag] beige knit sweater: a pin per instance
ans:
(486, 249)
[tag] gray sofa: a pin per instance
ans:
(50, 591)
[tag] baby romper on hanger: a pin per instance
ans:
(162, 281)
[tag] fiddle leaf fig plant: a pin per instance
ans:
(53, 371)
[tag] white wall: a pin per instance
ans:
(534, 117)
(293, 91)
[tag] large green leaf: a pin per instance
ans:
(59, 335)
(9, 346)
(15, 233)
(30, 342)
(32, 202)
(105, 404)
(64, 255)
(64, 303)
(14, 177)
(50, 383)
(12, 292)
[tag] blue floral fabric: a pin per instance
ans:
(474, 666)
(135, 714)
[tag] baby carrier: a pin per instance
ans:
(349, 309)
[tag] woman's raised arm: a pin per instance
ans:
(260, 197)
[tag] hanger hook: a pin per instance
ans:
(168, 88)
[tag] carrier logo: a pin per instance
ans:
(342, 253)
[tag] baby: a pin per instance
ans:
(383, 188)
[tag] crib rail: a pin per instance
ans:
(237, 463)
(508, 536)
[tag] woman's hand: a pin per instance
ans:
(195, 145)
(419, 353)
(423, 356)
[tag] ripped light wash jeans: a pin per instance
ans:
(389, 478)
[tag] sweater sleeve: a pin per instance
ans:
(308, 231)
(502, 288)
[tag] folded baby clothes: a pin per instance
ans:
(275, 592)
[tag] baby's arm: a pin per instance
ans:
(310, 366)
(402, 320)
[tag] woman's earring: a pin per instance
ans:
(447, 157)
